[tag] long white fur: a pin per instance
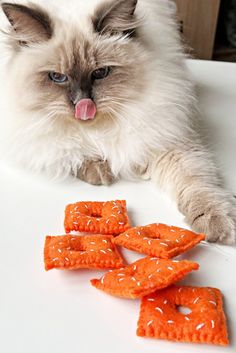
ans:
(160, 118)
(160, 131)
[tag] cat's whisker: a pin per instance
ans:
(120, 116)
(50, 118)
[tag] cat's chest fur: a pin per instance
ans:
(123, 147)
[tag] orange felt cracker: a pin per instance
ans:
(73, 252)
(159, 240)
(97, 217)
(160, 315)
(143, 277)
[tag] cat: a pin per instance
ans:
(99, 89)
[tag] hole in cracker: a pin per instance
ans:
(95, 215)
(184, 310)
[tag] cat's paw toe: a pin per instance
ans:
(96, 173)
(219, 226)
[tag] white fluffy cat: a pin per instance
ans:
(101, 91)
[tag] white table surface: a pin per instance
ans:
(57, 311)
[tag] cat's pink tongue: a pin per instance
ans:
(85, 109)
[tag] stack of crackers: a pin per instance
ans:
(106, 226)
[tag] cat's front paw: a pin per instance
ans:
(218, 223)
(96, 172)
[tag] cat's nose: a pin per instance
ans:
(75, 98)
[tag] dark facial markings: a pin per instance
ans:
(80, 89)
(80, 86)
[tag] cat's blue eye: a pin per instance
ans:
(101, 73)
(57, 77)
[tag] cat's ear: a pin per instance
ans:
(29, 24)
(116, 16)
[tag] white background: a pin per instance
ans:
(57, 311)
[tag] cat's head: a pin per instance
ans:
(75, 72)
